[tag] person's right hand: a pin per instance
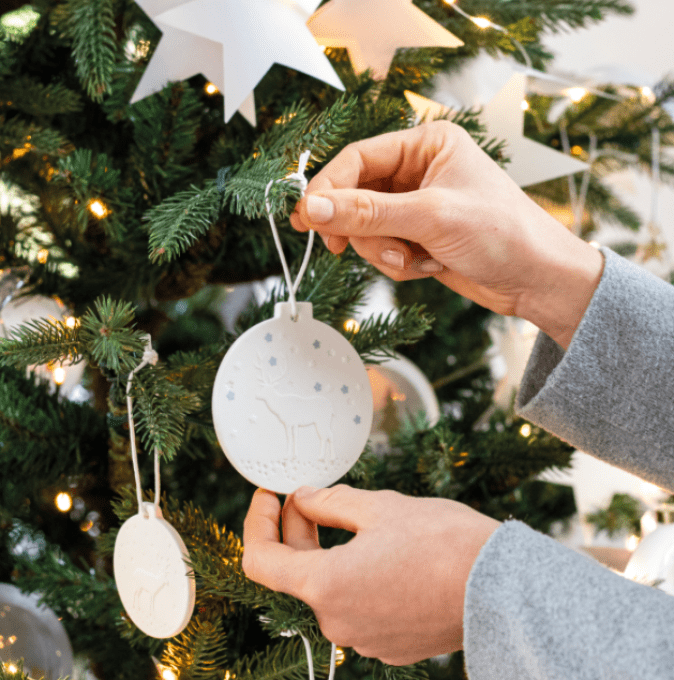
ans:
(428, 201)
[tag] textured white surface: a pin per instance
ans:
(653, 559)
(33, 633)
(152, 576)
(292, 403)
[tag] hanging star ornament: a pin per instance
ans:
(531, 162)
(372, 30)
(233, 43)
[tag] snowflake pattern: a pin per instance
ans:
(268, 337)
(318, 387)
(272, 361)
(357, 420)
(345, 389)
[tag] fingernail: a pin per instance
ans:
(393, 258)
(320, 209)
(305, 491)
(430, 267)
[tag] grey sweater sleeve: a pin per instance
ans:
(535, 610)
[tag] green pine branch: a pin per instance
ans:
(33, 98)
(90, 24)
(378, 337)
(17, 133)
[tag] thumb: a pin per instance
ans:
(362, 212)
(340, 506)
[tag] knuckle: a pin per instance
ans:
(367, 212)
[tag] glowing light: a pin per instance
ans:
(632, 542)
(352, 326)
(11, 668)
(72, 322)
(59, 375)
(575, 94)
(168, 674)
(340, 656)
(211, 88)
(450, 2)
(647, 94)
(576, 150)
(86, 525)
(595, 244)
(525, 105)
(525, 430)
(398, 396)
(649, 523)
(42, 256)
(481, 22)
(97, 208)
(17, 153)
(64, 501)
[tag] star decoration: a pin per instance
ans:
(272, 361)
(345, 389)
(318, 387)
(233, 43)
(357, 420)
(317, 344)
(230, 396)
(372, 31)
(531, 162)
(268, 337)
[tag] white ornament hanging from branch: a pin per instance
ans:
(292, 403)
(372, 31)
(233, 43)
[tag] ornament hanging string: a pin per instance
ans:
(307, 646)
(301, 180)
(149, 357)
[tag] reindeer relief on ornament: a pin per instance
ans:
(294, 411)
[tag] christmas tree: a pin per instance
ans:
(147, 215)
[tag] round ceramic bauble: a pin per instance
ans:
(400, 392)
(292, 403)
(153, 578)
(652, 562)
(33, 633)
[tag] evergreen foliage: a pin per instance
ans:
(140, 217)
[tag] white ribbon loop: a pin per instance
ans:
(149, 357)
(299, 178)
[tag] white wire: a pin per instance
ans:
(302, 181)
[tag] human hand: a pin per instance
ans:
(428, 201)
(396, 590)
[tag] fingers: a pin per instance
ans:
(298, 531)
(398, 259)
(265, 559)
(363, 212)
(340, 506)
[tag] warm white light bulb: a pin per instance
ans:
(63, 501)
(481, 22)
(575, 94)
(168, 674)
(352, 326)
(59, 375)
(525, 105)
(525, 430)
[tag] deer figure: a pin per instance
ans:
(296, 411)
(150, 583)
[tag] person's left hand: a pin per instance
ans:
(396, 590)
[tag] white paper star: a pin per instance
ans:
(233, 43)
(372, 30)
(531, 162)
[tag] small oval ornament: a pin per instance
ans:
(154, 582)
(292, 403)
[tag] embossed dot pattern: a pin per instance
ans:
(289, 404)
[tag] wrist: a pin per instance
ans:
(563, 289)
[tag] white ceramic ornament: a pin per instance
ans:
(653, 559)
(34, 633)
(292, 403)
(154, 582)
